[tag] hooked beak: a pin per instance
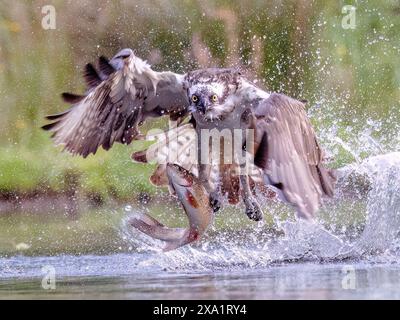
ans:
(203, 106)
(123, 54)
(119, 59)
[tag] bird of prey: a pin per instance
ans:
(125, 92)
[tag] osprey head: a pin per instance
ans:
(210, 91)
(120, 58)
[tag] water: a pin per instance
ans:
(300, 261)
(129, 276)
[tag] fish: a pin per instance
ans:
(195, 201)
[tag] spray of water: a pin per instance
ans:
(368, 187)
(383, 204)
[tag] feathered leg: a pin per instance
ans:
(253, 209)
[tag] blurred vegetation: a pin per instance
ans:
(293, 46)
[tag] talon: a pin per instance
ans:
(254, 211)
(215, 204)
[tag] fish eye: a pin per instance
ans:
(214, 98)
(195, 98)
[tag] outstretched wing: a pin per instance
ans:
(118, 100)
(287, 150)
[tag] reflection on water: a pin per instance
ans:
(90, 277)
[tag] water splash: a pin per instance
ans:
(383, 204)
(368, 187)
(297, 240)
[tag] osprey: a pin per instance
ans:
(282, 145)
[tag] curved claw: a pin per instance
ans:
(253, 210)
(215, 203)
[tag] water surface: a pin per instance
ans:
(128, 276)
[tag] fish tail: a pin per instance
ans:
(157, 230)
(172, 245)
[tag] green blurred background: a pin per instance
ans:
(351, 78)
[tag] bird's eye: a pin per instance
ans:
(214, 98)
(195, 98)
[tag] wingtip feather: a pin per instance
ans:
(91, 76)
(71, 97)
(50, 126)
(105, 67)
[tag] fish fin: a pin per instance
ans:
(189, 236)
(148, 220)
(140, 156)
(155, 229)
(172, 245)
(159, 176)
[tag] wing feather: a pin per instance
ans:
(118, 100)
(289, 154)
(91, 76)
